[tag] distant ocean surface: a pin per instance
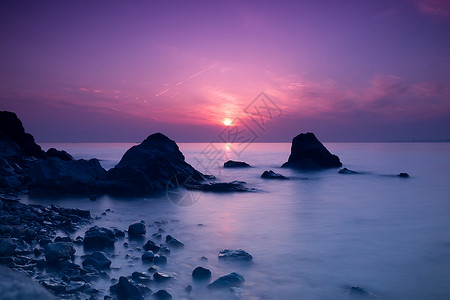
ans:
(311, 237)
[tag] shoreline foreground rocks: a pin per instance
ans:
(307, 152)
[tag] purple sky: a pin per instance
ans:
(113, 71)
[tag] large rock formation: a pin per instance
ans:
(307, 152)
(153, 165)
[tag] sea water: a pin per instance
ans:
(311, 237)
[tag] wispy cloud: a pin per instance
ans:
(436, 8)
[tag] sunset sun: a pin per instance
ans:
(227, 122)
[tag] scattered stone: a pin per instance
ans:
(239, 255)
(236, 164)
(140, 276)
(148, 256)
(308, 153)
(153, 269)
(137, 229)
(201, 273)
(221, 187)
(272, 175)
(150, 245)
(173, 242)
(403, 175)
(126, 290)
(98, 238)
(227, 281)
(347, 171)
(159, 259)
(356, 290)
(97, 260)
(118, 233)
(56, 252)
(159, 276)
(188, 288)
(204, 258)
(162, 295)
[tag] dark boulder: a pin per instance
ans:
(58, 176)
(159, 259)
(272, 175)
(61, 154)
(158, 277)
(97, 260)
(403, 175)
(137, 229)
(126, 290)
(162, 295)
(236, 164)
(98, 238)
(237, 255)
(347, 171)
(221, 187)
(227, 281)
(148, 256)
(152, 166)
(173, 242)
(150, 245)
(141, 276)
(201, 273)
(56, 252)
(307, 152)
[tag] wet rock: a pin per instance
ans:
(126, 290)
(55, 287)
(272, 175)
(158, 277)
(162, 295)
(221, 187)
(308, 153)
(56, 252)
(151, 246)
(98, 238)
(7, 247)
(118, 233)
(227, 281)
(403, 175)
(61, 154)
(65, 239)
(173, 242)
(148, 256)
(152, 269)
(356, 290)
(141, 276)
(137, 229)
(97, 260)
(238, 255)
(201, 273)
(347, 171)
(236, 164)
(159, 259)
(152, 166)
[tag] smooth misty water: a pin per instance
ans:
(311, 237)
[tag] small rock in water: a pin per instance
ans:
(148, 256)
(153, 269)
(272, 175)
(137, 229)
(201, 273)
(204, 258)
(157, 235)
(173, 242)
(140, 276)
(56, 252)
(347, 171)
(98, 260)
(403, 175)
(150, 245)
(127, 290)
(158, 277)
(356, 290)
(236, 164)
(188, 288)
(118, 232)
(159, 259)
(239, 255)
(98, 238)
(162, 295)
(227, 281)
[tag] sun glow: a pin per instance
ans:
(227, 122)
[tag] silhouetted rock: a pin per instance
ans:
(61, 154)
(158, 277)
(153, 165)
(272, 175)
(159, 259)
(173, 242)
(347, 171)
(56, 175)
(162, 295)
(403, 175)
(137, 229)
(11, 129)
(231, 280)
(236, 164)
(221, 187)
(150, 245)
(56, 252)
(148, 256)
(201, 273)
(97, 260)
(127, 290)
(239, 255)
(308, 153)
(98, 238)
